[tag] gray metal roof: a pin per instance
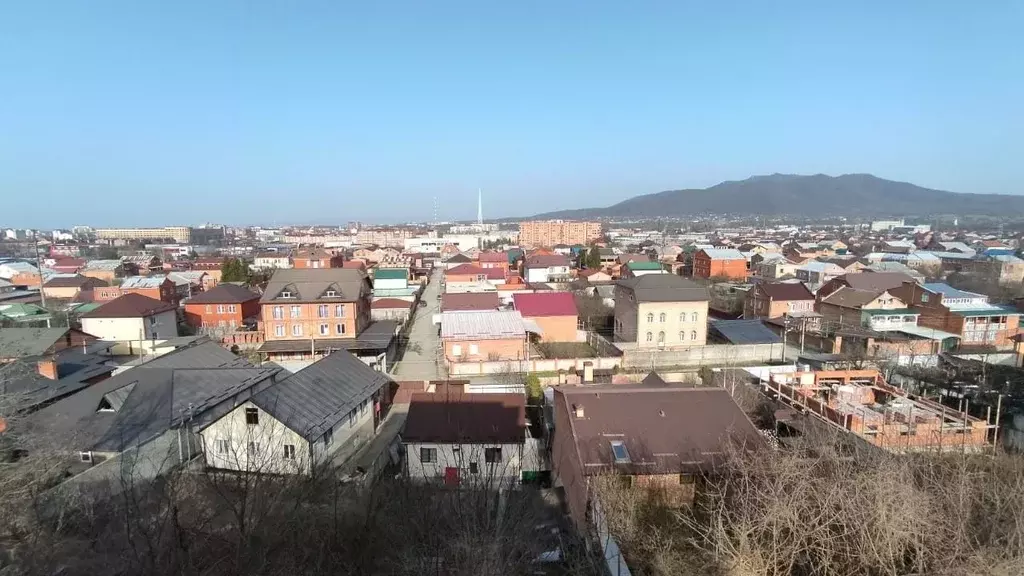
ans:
(308, 284)
(664, 288)
(320, 395)
(23, 342)
(744, 332)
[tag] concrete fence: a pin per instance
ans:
(538, 365)
(695, 356)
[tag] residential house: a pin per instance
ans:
(150, 412)
(494, 260)
(553, 312)
(213, 268)
(457, 438)
(719, 262)
(21, 274)
(849, 264)
(895, 267)
(44, 378)
(965, 314)
(869, 281)
(1008, 269)
(868, 308)
(24, 314)
(144, 262)
(661, 310)
(69, 287)
(477, 336)
(818, 273)
(272, 260)
(108, 270)
(457, 259)
(303, 305)
(594, 276)
(19, 343)
(129, 319)
(390, 279)
(608, 256)
(188, 283)
(226, 306)
(545, 268)
(318, 416)
(636, 268)
(68, 265)
(774, 266)
(472, 278)
(468, 301)
(158, 287)
(777, 299)
(390, 309)
(655, 435)
(316, 258)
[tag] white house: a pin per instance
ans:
(272, 261)
(321, 414)
(130, 319)
(473, 439)
(546, 268)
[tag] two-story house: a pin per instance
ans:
(545, 268)
(316, 258)
(482, 336)
(817, 272)
(777, 299)
(661, 310)
(719, 262)
(158, 287)
(226, 306)
(966, 314)
(307, 312)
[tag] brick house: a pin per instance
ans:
(69, 287)
(869, 281)
(493, 260)
(483, 336)
(158, 287)
(654, 435)
(719, 262)
(302, 306)
(553, 312)
(966, 314)
(777, 299)
(224, 306)
(212, 267)
(661, 310)
(316, 258)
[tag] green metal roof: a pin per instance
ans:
(22, 311)
(391, 273)
(994, 311)
(893, 312)
(635, 265)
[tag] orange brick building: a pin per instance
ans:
(316, 258)
(719, 262)
(225, 306)
(483, 336)
(553, 312)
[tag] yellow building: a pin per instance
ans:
(549, 233)
(181, 234)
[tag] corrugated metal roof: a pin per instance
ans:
(143, 282)
(664, 288)
(724, 254)
(745, 332)
(482, 325)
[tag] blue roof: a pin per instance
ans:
(745, 332)
(948, 291)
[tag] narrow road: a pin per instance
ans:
(420, 359)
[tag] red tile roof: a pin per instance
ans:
(131, 305)
(494, 273)
(390, 303)
(493, 257)
(470, 301)
(463, 269)
(545, 304)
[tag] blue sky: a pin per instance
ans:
(151, 113)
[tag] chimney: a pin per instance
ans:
(577, 410)
(588, 371)
(48, 368)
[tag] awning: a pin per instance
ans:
(530, 326)
(925, 332)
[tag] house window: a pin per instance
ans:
(286, 294)
(208, 308)
(330, 294)
(220, 308)
(325, 329)
(296, 329)
(85, 456)
(682, 316)
(619, 452)
(296, 311)
(661, 317)
(322, 311)
(352, 418)
(650, 317)
(428, 455)
(363, 406)
(222, 446)
(252, 448)
(924, 297)
(329, 436)
(474, 349)
(339, 311)
(650, 337)
(456, 350)
(339, 328)
(492, 455)
(231, 308)
(474, 468)
(279, 330)
(682, 336)
(252, 416)
(278, 312)
(661, 337)
(693, 317)
(289, 451)
(693, 335)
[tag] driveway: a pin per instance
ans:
(420, 361)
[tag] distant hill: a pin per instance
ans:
(861, 195)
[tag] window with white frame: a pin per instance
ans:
(339, 311)
(428, 455)
(289, 451)
(682, 336)
(492, 455)
(296, 329)
(279, 330)
(209, 309)
(322, 311)
(661, 317)
(231, 308)
(220, 308)
(693, 335)
(682, 316)
(296, 311)
(650, 317)
(223, 446)
(474, 349)
(693, 317)
(650, 337)
(325, 329)
(253, 449)
(456, 350)
(339, 328)
(278, 312)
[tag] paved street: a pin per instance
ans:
(420, 359)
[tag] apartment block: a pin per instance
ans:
(181, 234)
(548, 233)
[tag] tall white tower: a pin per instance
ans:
(479, 206)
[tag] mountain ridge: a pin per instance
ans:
(816, 195)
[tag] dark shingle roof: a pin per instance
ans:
(76, 281)
(131, 305)
(664, 288)
(744, 332)
(546, 261)
(23, 342)
(451, 302)
(224, 294)
(875, 281)
(786, 291)
(851, 298)
(320, 395)
(453, 416)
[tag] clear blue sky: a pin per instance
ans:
(162, 112)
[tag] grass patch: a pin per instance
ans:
(566, 350)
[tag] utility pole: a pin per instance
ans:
(39, 268)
